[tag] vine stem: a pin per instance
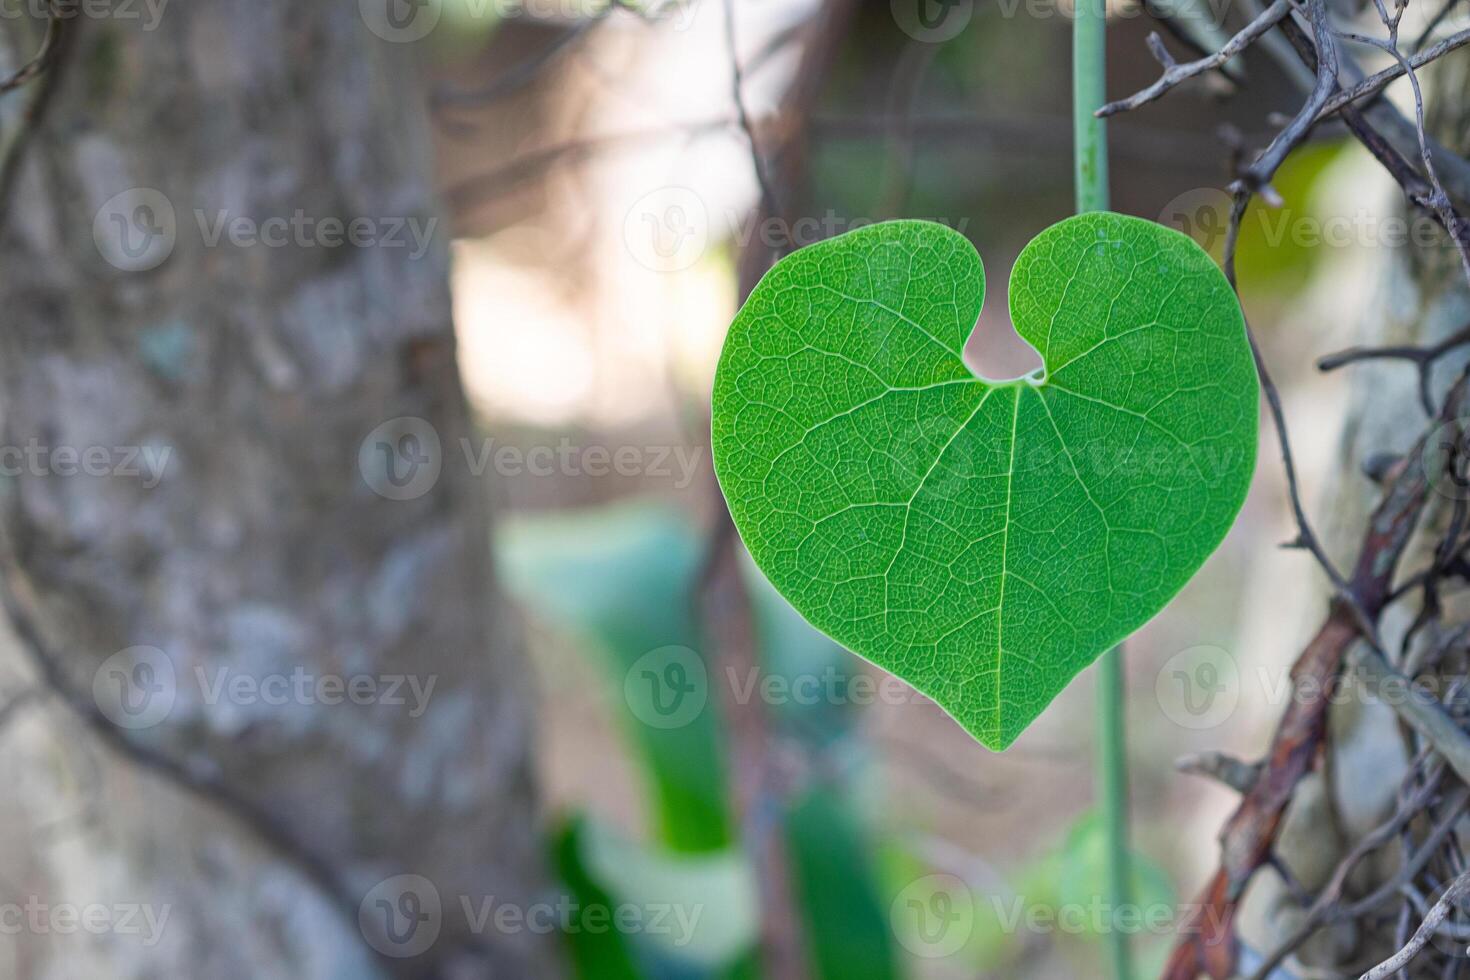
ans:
(1089, 88)
(1113, 791)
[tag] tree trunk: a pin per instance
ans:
(289, 680)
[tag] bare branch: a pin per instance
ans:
(38, 64)
(1239, 776)
(1376, 82)
(1424, 933)
(1175, 74)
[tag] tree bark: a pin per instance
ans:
(234, 568)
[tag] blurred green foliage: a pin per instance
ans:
(621, 579)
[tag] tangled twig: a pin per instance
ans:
(1349, 635)
(33, 69)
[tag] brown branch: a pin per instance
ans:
(1247, 843)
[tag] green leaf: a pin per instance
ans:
(986, 540)
(600, 954)
(623, 578)
(845, 921)
(706, 904)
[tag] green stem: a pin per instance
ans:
(1089, 85)
(1113, 792)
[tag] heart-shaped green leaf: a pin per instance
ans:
(986, 540)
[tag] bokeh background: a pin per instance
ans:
(605, 208)
(761, 802)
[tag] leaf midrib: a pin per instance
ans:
(1005, 544)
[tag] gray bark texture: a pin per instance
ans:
(269, 826)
